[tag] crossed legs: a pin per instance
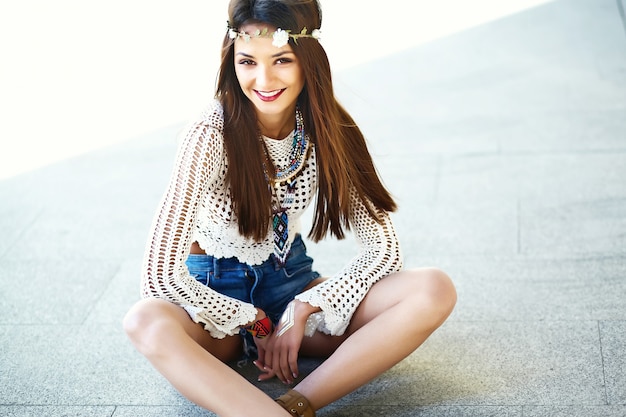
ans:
(397, 315)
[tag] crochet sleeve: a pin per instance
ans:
(379, 256)
(164, 274)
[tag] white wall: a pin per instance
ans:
(77, 75)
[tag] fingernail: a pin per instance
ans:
(295, 375)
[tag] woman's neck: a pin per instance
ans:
(277, 126)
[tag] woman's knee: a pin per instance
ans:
(437, 290)
(141, 322)
(153, 324)
(431, 292)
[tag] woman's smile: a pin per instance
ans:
(269, 95)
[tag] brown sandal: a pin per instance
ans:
(296, 404)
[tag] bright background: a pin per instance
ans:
(77, 75)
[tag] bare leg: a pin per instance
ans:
(398, 314)
(191, 360)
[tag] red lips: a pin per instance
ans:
(273, 95)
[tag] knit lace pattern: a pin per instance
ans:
(196, 207)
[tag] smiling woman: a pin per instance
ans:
(226, 270)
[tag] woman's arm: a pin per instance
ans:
(379, 256)
(165, 274)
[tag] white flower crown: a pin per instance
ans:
(280, 37)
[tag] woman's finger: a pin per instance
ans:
(284, 366)
(293, 362)
(266, 375)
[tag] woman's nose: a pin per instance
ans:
(264, 76)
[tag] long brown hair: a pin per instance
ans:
(343, 159)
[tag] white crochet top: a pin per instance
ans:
(197, 207)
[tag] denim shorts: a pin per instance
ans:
(267, 286)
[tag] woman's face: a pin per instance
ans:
(270, 77)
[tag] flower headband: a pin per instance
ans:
(280, 37)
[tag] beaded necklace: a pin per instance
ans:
(280, 218)
(299, 147)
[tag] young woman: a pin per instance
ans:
(226, 268)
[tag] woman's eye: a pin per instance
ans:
(283, 61)
(246, 62)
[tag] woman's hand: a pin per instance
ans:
(263, 346)
(278, 353)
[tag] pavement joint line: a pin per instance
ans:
(606, 394)
(102, 293)
(584, 152)
(22, 232)
(438, 175)
(622, 13)
(519, 226)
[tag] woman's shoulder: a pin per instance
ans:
(206, 128)
(212, 116)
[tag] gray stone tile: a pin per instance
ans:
(51, 292)
(411, 180)
(575, 411)
(122, 292)
(590, 130)
(87, 231)
(14, 221)
(401, 410)
(538, 289)
(453, 92)
(473, 180)
(572, 178)
(496, 363)
(535, 179)
(160, 411)
(592, 226)
(613, 339)
(445, 229)
(337, 411)
(77, 365)
(522, 204)
(56, 411)
(331, 254)
(98, 205)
